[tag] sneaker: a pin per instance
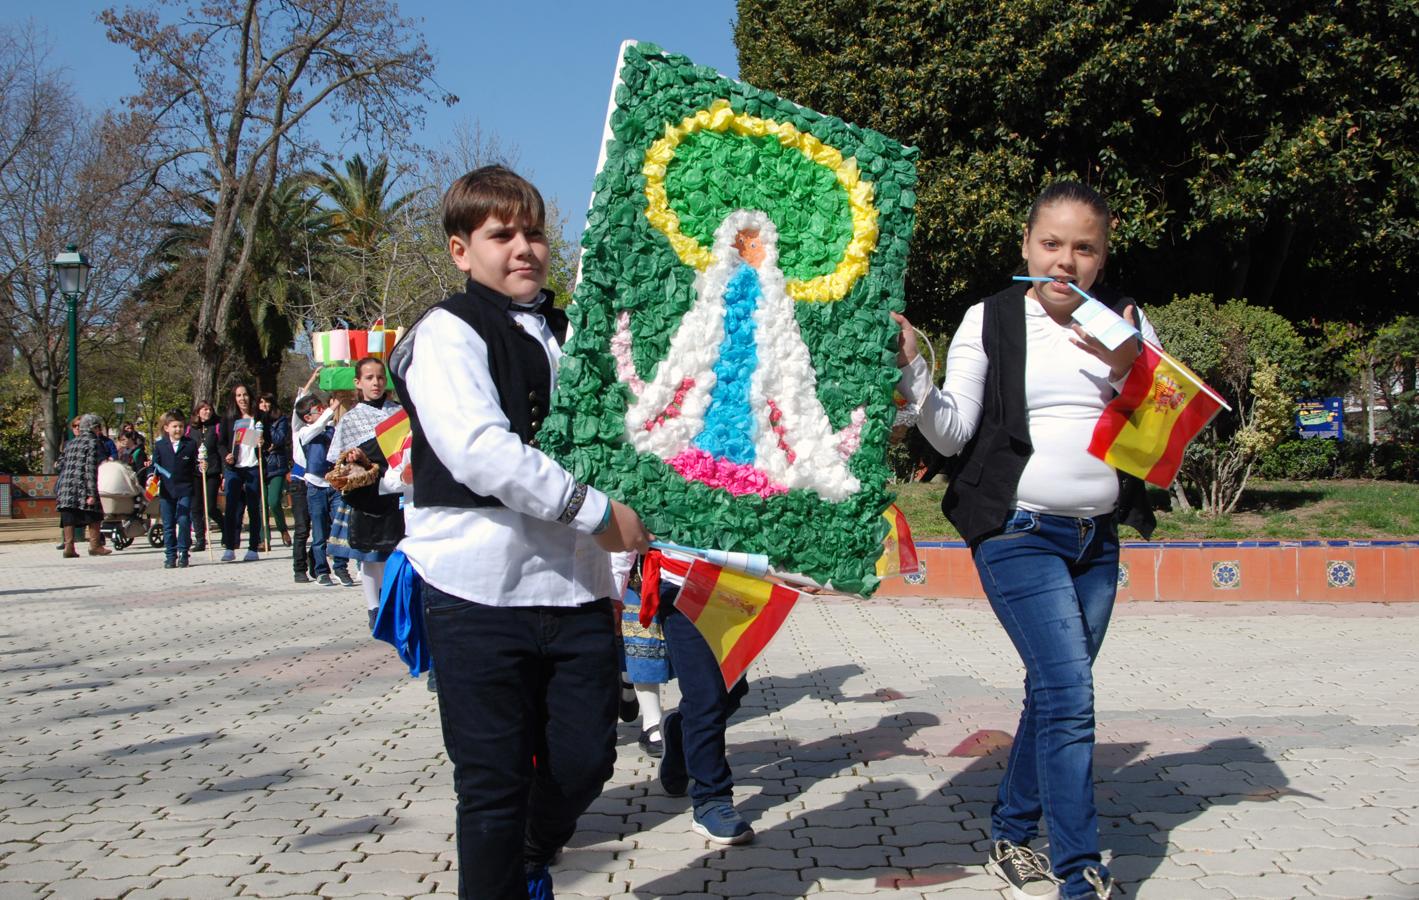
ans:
(182, 561)
(169, 564)
(674, 780)
(325, 581)
(539, 883)
(1025, 870)
(345, 578)
(251, 556)
(630, 707)
(652, 742)
(720, 822)
(1103, 885)
(199, 547)
(302, 578)
(228, 556)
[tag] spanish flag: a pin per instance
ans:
(394, 436)
(1146, 428)
(736, 614)
(899, 553)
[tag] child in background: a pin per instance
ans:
(314, 438)
(178, 470)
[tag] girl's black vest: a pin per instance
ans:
(985, 474)
(518, 364)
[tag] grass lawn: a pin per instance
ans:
(1292, 510)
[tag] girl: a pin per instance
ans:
(367, 524)
(277, 463)
(202, 428)
(241, 474)
(1024, 388)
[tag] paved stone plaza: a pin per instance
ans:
(220, 732)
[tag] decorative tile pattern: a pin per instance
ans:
(1339, 573)
(1227, 575)
(1123, 574)
(919, 577)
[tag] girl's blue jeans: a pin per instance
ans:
(1051, 581)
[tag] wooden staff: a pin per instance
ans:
(206, 522)
(261, 491)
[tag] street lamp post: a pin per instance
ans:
(120, 406)
(73, 269)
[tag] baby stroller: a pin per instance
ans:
(127, 513)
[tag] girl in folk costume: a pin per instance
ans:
(368, 524)
(1024, 389)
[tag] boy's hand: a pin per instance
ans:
(626, 531)
(313, 375)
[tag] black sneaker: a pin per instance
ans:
(302, 578)
(182, 561)
(345, 579)
(674, 780)
(169, 564)
(1025, 870)
(325, 581)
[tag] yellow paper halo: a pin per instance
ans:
(720, 117)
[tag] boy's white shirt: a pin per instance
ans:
(304, 435)
(513, 555)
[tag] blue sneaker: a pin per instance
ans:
(228, 555)
(539, 884)
(721, 823)
(674, 780)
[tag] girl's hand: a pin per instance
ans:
(1121, 359)
(907, 349)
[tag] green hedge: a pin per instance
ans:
(1305, 459)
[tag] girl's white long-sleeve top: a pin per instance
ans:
(1066, 390)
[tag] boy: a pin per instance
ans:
(313, 437)
(175, 462)
(513, 552)
(302, 563)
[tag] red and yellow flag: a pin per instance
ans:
(394, 436)
(1146, 428)
(899, 553)
(736, 614)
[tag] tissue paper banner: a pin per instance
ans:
(731, 368)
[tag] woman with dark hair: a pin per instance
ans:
(1024, 388)
(77, 490)
(202, 428)
(278, 462)
(242, 437)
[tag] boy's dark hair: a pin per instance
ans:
(488, 191)
(1073, 192)
(364, 361)
(172, 415)
(306, 404)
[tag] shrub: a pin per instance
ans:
(1300, 459)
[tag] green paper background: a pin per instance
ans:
(628, 265)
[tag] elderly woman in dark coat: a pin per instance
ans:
(78, 487)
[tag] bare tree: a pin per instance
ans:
(231, 86)
(60, 185)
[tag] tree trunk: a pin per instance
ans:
(53, 426)
(1369, 389)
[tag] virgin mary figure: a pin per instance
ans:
(734, 403)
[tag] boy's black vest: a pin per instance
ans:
(518, 364)
(986, 473)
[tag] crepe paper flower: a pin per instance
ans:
(731, 368)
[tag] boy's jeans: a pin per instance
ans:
(177, 525)
(705, 704)
(1051, 581)
(516, 683)
(320, 502)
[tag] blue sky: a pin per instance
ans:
(537, 76)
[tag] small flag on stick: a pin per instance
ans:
(737, 615)
(1147, 427)
(394, 435)
(899, 552)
